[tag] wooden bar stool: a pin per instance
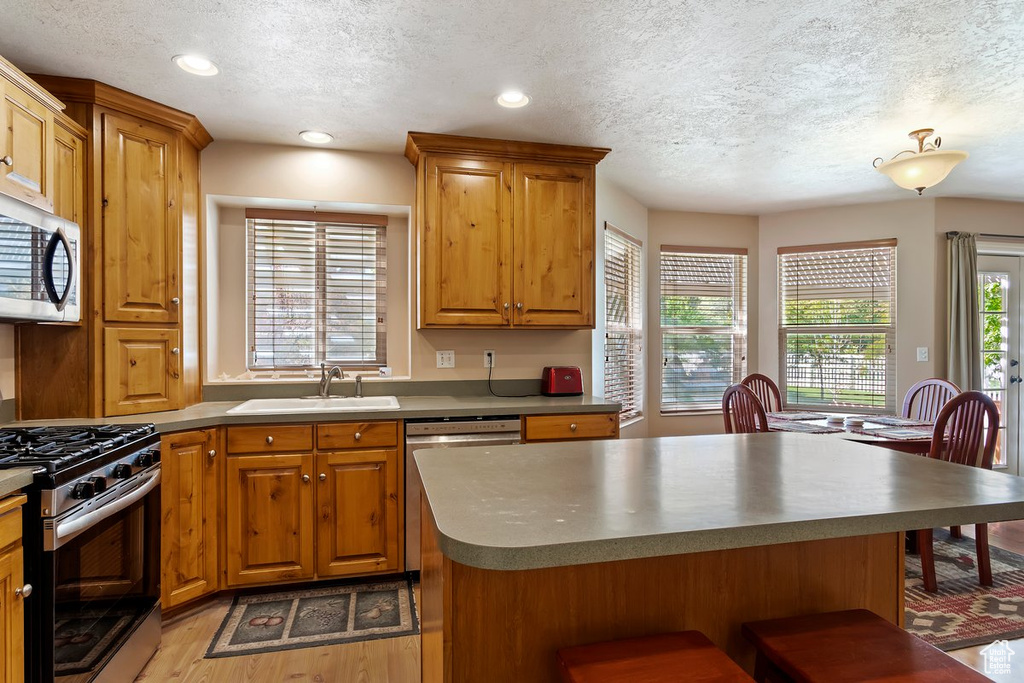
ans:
(662, 658)
(846, 647)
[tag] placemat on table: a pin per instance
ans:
(900, 433)
(795, 415)
(803, 427)
(896, 421)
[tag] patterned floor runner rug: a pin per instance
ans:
(963, 613)
(319, 616)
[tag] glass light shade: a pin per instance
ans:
(316, 137)
(196, 64)
(921, 170)
(512, 99)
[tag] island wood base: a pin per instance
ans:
(505, 626)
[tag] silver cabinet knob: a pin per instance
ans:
(7, 160)
(572, 427)
(211, 453)
(357, 436)
(270, 439)
(323, 477)
(175, 350)
(175, 301)
(519, 305)
(305, 478)
(506, 305)
(25, 590)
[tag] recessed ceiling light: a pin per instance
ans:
(196, 64)
(513, 99)
(316, 137)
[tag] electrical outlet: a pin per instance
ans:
(489, 358)
(922, 354)
(446, 359)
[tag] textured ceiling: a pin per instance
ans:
(709, 105)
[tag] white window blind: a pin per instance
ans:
(316, 291)
(703, 325)
(623, 339)
(837, 325)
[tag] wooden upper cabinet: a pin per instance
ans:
(26, 146)
(188, 533)
(69, 170)
(143, 367)
(141, 221)
(466, 243)
(554, 245)
(506, 232)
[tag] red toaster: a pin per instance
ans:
(563, 380)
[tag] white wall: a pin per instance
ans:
(919, 275)
(628, 215)
(685, 229)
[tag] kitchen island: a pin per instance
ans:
(530, 548)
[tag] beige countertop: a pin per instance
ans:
(558, 504)
(14, 480)
(213, 414)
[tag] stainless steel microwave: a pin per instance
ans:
(39, 258)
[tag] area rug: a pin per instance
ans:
(341, 613)
(963, 613)
(83, 639)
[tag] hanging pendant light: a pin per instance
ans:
(924, 168)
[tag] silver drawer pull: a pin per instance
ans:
(212, 453)
(357, 436)
(270, 439)
(572, 427)
(25, 590)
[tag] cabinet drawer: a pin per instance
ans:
(562, 427)
(356, 435)
(270, 439)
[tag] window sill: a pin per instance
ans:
(631, 421)
(692, 413)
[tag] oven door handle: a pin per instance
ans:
(74, 526)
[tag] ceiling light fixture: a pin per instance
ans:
(196, 64)
(316, 137)
(925, 167)
(512, 99)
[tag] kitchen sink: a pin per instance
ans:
(314, 404)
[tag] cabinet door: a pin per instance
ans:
(269, 500)
(142, 371)
(553, 245)
(141, 221)
(465, 243)
(357, 512)
(188, 535)
(12, 617)
(26, 147)
(68, 173)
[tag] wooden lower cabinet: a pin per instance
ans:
(12, 583)
(357, 512)
(269, 501)
(190, 481)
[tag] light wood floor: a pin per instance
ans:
(393, 660)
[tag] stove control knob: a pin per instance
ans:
(122, 471)
(99, 484)
(156, 455)
(83, 490)
(144, 459)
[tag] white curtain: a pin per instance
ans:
(964, 353)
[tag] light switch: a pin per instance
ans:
(922, 354)
(446, 359)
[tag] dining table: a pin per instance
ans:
(887, 431)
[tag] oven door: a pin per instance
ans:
(105, 561)
(39, 273)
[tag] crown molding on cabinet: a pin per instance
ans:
(16, 76)
(419, 143)
(88, 91)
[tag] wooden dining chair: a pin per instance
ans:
(742, 411)
(965, 433)
(766, 390)
(926, 398)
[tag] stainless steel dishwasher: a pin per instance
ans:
(459, 432)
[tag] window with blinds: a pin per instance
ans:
(316, 290)
(837, 325)
(703, 325)
(623, 338)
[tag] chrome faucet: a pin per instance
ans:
(326, 376)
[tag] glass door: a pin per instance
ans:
(999, 279)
